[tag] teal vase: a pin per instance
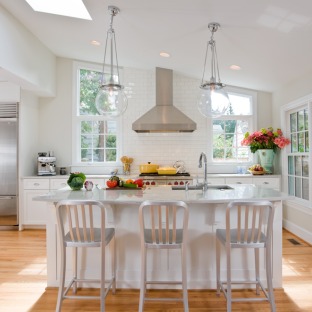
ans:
(266, 157)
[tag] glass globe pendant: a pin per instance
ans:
(213, 100)
(111, 101)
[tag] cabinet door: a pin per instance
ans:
(36, 184)
(34, 212)
(239, 180)
(56, 184)
(273, 183)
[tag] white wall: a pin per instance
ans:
(297, 218)
(164, 149)
(24, 59)
(28, 133)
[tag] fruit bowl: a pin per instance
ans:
(254, 172)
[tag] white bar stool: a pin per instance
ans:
(75, 221)
(163, 225)
(248, 225)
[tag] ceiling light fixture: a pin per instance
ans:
(235, 67)
(213, 100)
(164, 54)
(111, 101)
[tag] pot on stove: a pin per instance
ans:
(148, 168)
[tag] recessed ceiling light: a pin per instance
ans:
(72, 8)
(95, 42)
(235, 67)
(164, 54)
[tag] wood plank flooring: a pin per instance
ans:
(23, 282)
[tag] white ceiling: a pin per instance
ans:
(270, 40)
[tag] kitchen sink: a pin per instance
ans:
(200, 187)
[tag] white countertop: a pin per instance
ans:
(164, 192)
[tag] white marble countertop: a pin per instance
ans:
(164, 192)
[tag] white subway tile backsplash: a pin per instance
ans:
(162, 148)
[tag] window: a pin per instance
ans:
(96, 138)
(298, 158)
(229, 129)
(297, 172)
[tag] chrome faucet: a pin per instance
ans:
(203, 155)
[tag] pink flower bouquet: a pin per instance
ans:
(265, 139)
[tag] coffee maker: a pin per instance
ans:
(46, 164)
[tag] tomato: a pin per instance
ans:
(112, 183)
(139, 182)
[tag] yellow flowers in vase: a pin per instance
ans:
(127, 161)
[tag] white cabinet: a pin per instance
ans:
(269, 182)
(33, 212)
(239, 180)
(58, 183)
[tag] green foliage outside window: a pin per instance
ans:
(98, 141)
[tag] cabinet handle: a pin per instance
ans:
(36, 184)
(238, 182)
(266, 183)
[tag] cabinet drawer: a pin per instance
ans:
(268, 182)
(247, 180)
(215, 180)
(56, 184)
(36, 184)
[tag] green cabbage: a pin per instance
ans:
(76, 180)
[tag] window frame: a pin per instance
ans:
(76, 120)
(252, 121)
(286, 110)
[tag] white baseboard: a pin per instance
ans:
(297, 230)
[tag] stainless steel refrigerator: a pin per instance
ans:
(8, 164)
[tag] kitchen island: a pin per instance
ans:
(207, 213)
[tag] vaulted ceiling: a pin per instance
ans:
(270, 40)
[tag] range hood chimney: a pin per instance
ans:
(164, 117)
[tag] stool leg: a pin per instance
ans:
(74, 255)
(102, 291)
(184, 279)
(268, 263)
(218, 266)
(228, 279)
(143, 279)
(62, 280)
(113, 247)
(256, 250)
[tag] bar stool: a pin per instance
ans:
(248, 225)
(163, 225)
(75, 219)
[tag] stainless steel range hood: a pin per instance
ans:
(164, 117)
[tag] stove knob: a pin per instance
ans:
(169, 183)
(181, 183)
(147, 183)
(153, 183)
(176, 183)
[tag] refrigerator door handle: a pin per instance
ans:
(7, 197)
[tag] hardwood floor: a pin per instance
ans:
(23, 282)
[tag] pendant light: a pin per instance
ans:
(111, 101)
(213, 100)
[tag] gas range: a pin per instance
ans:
(165, 179)
(184, 174)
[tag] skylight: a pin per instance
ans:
(72, 8)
